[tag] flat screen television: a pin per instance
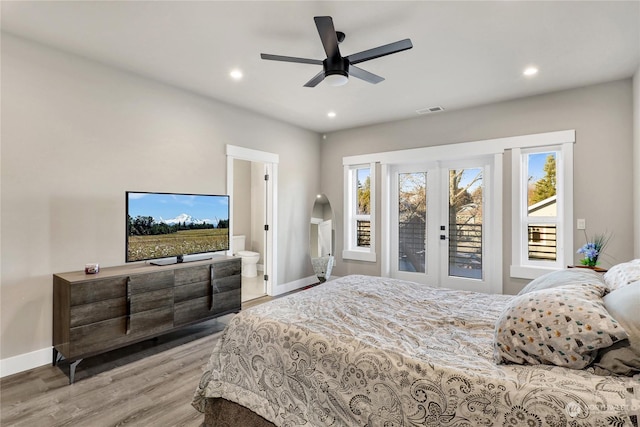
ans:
(165, 227)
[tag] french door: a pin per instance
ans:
(440, 223)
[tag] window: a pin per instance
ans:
(359, 221)
(541, 199)
(540, 241)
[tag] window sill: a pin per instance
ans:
(527, 272)
(359, 255)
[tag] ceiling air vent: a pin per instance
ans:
(430, 110)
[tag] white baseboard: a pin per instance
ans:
(26, 361)
(292, 286)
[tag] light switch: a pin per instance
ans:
(582, 224)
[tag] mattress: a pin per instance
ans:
(372, 351)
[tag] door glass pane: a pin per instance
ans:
(465, 222)
(412, 221)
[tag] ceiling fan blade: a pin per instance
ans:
(327, 33)
(290, 59)
(379, 51)
(315, 80)
(364, 75)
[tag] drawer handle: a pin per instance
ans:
(128, 321)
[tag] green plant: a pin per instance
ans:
(593, 248)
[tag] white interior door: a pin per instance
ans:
(440, 230)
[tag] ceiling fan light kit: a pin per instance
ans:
(337, 79)
(337, 69)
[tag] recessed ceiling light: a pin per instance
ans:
(331, 114)
(530, 71)
(236, 74)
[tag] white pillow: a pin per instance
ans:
(621, 275)
(574, 276)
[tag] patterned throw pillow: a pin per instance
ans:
(563, 326)
(622, 274)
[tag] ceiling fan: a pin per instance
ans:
(336, 69)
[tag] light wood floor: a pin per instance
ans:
(147, 384)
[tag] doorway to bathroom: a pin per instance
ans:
(251, 180)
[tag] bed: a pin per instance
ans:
(372, 351)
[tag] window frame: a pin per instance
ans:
(351, 249)
(521, 266)
(496, 147)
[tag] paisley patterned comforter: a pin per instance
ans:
(371, 351)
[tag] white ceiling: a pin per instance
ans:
(464, 54)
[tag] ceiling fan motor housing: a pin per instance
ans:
(336, 65)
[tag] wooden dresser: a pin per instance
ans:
(96, 313)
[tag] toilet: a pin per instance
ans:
(249, 258)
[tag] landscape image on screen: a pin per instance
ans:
(166, 225)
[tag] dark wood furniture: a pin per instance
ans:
(596, 269)
(96, 313)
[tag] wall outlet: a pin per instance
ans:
(581, 224)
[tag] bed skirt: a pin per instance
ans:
(224, 413)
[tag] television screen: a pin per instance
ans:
(164, 225)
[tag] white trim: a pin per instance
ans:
(495, 283)
(385, 226)
(470, 149)
(271, 242)
(251, 155)
(567, 205)
(359, 255)
(26, 361)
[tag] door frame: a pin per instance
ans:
(271, 161)
(437, 214)
(493, 276)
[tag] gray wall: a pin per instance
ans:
(76, 135)
(603, 172)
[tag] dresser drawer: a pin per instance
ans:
(112, 333)
(186, 276)
(98, 290)
(206, 307)
(192, 290)
(226, 302)
(227, 268)
(86, 314)
(227, 283)
(152, 300)
(151, 281)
